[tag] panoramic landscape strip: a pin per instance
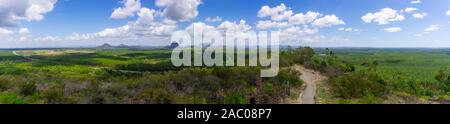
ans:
(224, 52)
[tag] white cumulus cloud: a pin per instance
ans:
(24, 31)
(448, 12)
(146, 26)
(411, 9)
(432, 28)
(416, 2)
(214, 19)
(384, 16)
(48, 39)
(238, 29)
(201, 25)
(348, 29)
(13, 11)
(234, 27)
(268, 24)
(24, 34)
(130, 7)
(278, 13)
(420, 15)
(5, 33)
(428, 30)
(301, 18)
(295, 27)
(179, 10)
(393, 29)
(146, 15)
(328, 20)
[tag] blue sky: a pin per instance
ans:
(68, 23)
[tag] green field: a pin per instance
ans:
(397, 75)
(413, 64)
(79, 61)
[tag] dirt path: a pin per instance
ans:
(15, 53)
(310, 78)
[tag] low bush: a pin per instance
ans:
(358, 85)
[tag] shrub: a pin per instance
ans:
(10, 98)
(444, 77)
(358, 85)
(289, 78)
(235, 98)
(28, 88)
(53, 96)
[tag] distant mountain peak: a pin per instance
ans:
(173, 45)
(106, 45)
(122, 46)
